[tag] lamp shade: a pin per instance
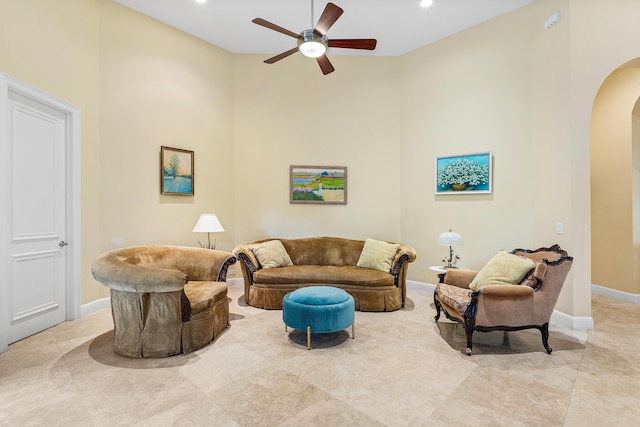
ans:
(208, 223)
(450, 238)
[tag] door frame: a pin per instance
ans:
(73, 208)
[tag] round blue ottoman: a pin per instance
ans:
(318, 309)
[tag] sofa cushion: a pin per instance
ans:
(503, 269)
(377, 255)
(271, 254)
(323, 250)
(328, 274)
(319, 295)
(455, 297)
(203, 295)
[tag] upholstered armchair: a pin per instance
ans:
(165, 299)
(512, 292)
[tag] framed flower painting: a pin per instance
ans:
(464, 174)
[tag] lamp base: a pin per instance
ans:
(208, 245)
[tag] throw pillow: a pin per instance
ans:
(271, 254)
(503, 269)
(377, 255)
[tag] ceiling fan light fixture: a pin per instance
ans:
(311, 44)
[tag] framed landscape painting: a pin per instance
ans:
(176, 171)
(464, 174)
(318, 184)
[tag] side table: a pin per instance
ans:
(440, 270)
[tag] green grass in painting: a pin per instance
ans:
(327, 183)
(305, 195)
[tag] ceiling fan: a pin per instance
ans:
(313, 43)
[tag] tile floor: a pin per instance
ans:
(403, 369)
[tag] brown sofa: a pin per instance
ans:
(529, 303)
(165, 299)
(325, 261)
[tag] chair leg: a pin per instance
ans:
(470, 322)
(469, 333)
(544, 329)
(505, 338)
(437, 304)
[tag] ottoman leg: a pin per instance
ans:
(353, 330)
(308, 337)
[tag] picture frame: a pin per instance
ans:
(325, 185)
(176, 171)
(464, 174)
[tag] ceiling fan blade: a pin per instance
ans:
(325, 64)
(275, 27)
(368, 44)
(329, 16)
(281, 56)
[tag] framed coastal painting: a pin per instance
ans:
(176, 171)
(326, 185)
(464, 174)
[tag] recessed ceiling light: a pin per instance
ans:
(426, 3)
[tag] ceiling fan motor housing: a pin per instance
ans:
(312, 44)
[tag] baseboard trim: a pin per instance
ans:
(235, 281)
(94, 306)
(411, 284)
(563, 319)
(616, 294)
(573, 322)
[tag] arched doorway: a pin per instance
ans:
(615, 184)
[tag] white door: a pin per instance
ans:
(35, 280)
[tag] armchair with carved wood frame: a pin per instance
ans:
(506, 307)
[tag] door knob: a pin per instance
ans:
(62, 243)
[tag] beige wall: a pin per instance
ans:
(55, 47)
(287, 114)
(508, 86)
(468, 93)
(140, 84)
(161, 87)
(553, 158)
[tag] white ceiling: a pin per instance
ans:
(400, 26)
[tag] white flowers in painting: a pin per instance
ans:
(463, 171)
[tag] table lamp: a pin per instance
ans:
(208, 223)
(451, 239)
